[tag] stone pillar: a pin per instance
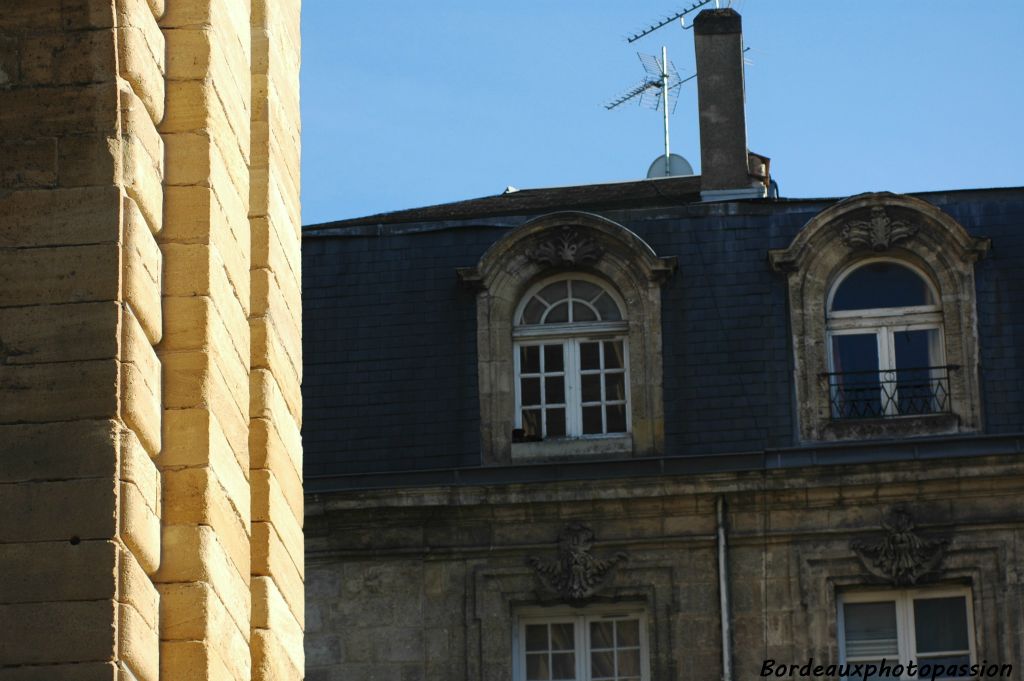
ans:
(81, 164)
(275, 448)
(204, 578)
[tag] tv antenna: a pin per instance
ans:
(665, 21)
(662, 82)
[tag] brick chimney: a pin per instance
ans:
(727, 170)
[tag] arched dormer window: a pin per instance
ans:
(571, 362)
(569, 341)
(883, 315)
(885, 343)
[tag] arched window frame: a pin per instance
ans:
(571, 337)
(564, 243)
(884, 323)
(917, 234)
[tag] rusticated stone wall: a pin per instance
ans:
(150, 499)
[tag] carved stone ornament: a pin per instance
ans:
(567, 247)
(576, 574)
(901, 557)
(878, 232)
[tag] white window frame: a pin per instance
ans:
(581, 619)
(570, 335)
(905, 626)
(885, 323)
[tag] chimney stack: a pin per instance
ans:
(725, 164)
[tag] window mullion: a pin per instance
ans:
(570, 360)
(583, 671)
(905, 628)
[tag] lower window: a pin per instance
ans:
(892, 629)
(574, 645)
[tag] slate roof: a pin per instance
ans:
(390, 381)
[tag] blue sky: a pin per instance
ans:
(408, 104)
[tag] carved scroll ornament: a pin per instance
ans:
(879, 232)
(902, 557)
(567, 247)
(576, 574)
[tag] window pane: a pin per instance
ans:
(602, 665)
(592, 420)
(537, 667)
(941, 624)
(531, 391)
(591, 387)
(615, 387)
(613, 354)
(590, 356)
(556, 422)
(554, 390)
(602, 634)
(881, 284)
(870, 629)
(563, 666)
(562, 636)
(531, 424)
(529, 359)
(558, 314)
(856, 390)
(607, 308)
(920, 388)
(554, 360)
(585, 290)
(629, 663)
(616, 415)
(629, 632)
(583, 313)
(533, 311)
(536, 637)
(554, 292)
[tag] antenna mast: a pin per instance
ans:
(664, 102)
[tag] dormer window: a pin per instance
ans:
(570, 361)
(885, 343)
(883, 316)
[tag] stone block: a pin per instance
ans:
(71, 274)
(135, 588)
(266, 401)
(69, 58)
(53, 392)
(196, 496)
(28, 163)
(269, 505)
(41, 571)
(194, 554)
(143, 273)
(60, 450)
(268, 353)
(142, 174)
(60, 110)
(91, 160)
(60, 217)
(140, 527)
(140, 384)
(196, 439)
(271, 559)
(138, 644)
(84, 630)
(194, 380)
(192, 660)
(271, 660)
(38, 334)
(267, 450)
(141, 53)
(271, 612)
(195, 612)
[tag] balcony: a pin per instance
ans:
(889, 393)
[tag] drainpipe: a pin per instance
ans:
(723, 592)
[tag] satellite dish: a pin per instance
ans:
(677, 166)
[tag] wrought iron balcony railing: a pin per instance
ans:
(890, 392)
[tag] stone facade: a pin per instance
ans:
(436, 575)
(149, 340)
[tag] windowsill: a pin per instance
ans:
(892, 427)
(592, 447)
